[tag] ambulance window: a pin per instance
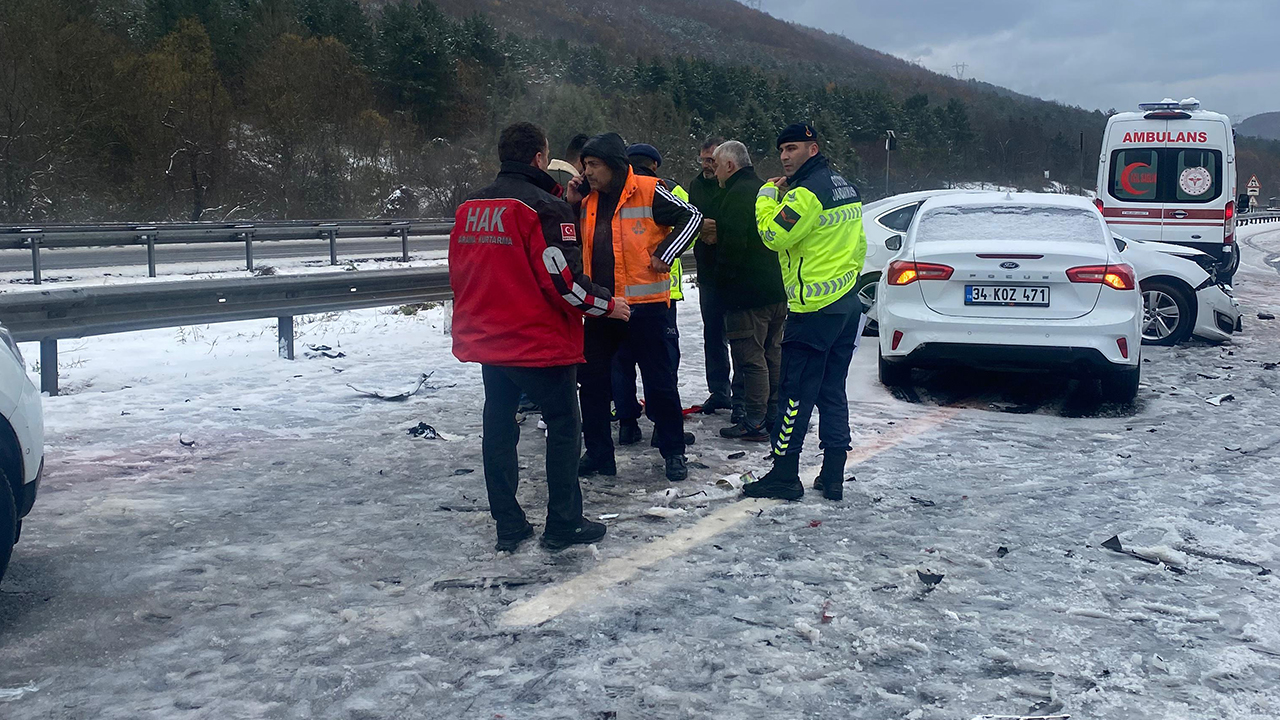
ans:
(899, 220)
(1135, 174)
(1197, 175)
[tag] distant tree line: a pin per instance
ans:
(244, 109)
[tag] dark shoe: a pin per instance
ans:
(743, 431)
(715, 403)
(739, 415)
(688, 439)
(677, 470)
(831, 480)
(509, 543)
(589, 466)
(527, 406)
(782, 482)
(584, 534)
(629, 432)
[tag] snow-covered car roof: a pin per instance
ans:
(910, 197)
(999, 199)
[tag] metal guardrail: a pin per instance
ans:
(1253, 218)
(50, 315)
(35, 238)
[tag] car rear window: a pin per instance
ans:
(1021, 223)
(1166, 175)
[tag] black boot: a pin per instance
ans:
(745, 431)
(629, 432)
(509, 543)
(688, 439)
(782, 482)
(677, 469)
(590, 465)
(831, 480)
(585, 534)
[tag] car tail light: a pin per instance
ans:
(1119, 277)
(905, 272)
(1123, 344)
(897, 339)
(1229, 215)
(1098, 202)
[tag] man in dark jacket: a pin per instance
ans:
(633, 229)
(749, 282)
(519, 294)
(704, 194)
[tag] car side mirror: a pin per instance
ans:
(893, 242)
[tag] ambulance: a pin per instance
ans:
(1168, 174)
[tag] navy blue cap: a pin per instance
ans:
(797, 132)
(645, 150)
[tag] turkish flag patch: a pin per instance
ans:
(568, 232)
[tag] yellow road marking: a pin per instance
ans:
(559, 598)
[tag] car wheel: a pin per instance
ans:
(866, 289)
(894, 374)
(8, 522)
(1168, 313)
(1121, 386)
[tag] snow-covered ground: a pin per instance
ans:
(223, 534)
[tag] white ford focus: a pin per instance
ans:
(1011, 282)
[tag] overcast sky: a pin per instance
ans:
(1093, 53)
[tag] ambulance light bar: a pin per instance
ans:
(1170, 104)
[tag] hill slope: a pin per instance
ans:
(1265, 126)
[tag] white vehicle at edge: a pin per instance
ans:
(882, 220)
(21, 445)
(1180, 294)
(1011, 282)
(1177, 282)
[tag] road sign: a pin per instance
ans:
(1253, 187)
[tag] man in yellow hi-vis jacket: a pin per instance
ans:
(812, 217)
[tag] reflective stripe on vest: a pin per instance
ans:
(636, 213)
(822, 289)
(649, 289)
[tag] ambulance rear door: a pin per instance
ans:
(1131, 198)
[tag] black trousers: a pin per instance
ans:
(816, 351)
(645, 337)
(625, 403)
(555, 390)
(716, 349)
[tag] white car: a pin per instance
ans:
(1012, 282)
(21, 445)
(1180, 292)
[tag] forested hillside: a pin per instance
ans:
(244, 109)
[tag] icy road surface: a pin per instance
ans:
(222, 534)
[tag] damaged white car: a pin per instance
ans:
(1181, 295)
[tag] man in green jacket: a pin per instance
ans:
(812, 217)
(748, 281)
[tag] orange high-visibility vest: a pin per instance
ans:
(635, 238)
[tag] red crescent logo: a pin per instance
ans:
(1125, 181)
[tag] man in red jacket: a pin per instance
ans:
(519, 295)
